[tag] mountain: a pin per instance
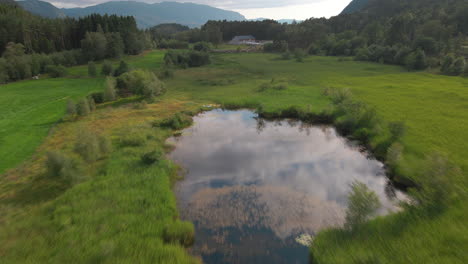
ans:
(355, 6)
(41, 8)
(147, 15)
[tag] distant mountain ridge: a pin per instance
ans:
(41, 8)
(146, 15)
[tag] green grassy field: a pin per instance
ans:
(433, 107)
(29, 109)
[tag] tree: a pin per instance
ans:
(13, 50)
(107, 68)
(115, 45)
(363, 203)
(416, 60)
(109, 90)
(92, 71)
(56, 71)
(94, 46)
(458, 66)
(123, 68)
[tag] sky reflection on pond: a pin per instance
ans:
(253, 186)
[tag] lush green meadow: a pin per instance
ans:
(29, 109)
(119, 210)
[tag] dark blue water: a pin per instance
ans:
(254, 187)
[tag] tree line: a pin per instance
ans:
(416, 34)
(30, 44)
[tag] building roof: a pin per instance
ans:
(240, 38)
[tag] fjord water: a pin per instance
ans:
(256, 189)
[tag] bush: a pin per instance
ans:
(202, 46)
(109, 93)
(92, 70)
(92, 104)
(60, 166)
(299, 55)
(397, 130)
(177, 122)
(82, 108)
(276, 46)
(98, 97)
(87, 146)
(187, 59)
(71, 108)
(438, 184)
(179, 232)
(363, 203)
(173, 44)
(56, 71)
(107, 68)
(140, 82)
(152, 157)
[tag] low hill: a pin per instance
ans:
(148, 15)
(41, 8)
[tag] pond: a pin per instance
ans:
(256, 190)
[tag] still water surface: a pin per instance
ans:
(253, 187)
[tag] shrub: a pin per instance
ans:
(92, 70)
(98, 97)
(109, 93)
(202, 46)
(276, 46)
(91, 103)
(197, 59)
(363, 203)
(458, 66)
(173, 44)
(179, 232)
(178, 121)
(83, 107)
(107, 68)
(299, 55)
(71, 108)
(140, 82)
(152, 157)
(394, 154)
(87, 146)
(397, 130)
(56, 71)
(61, 166)
(437, 184)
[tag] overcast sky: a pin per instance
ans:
(275, 9)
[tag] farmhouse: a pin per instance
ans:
(239, 40)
